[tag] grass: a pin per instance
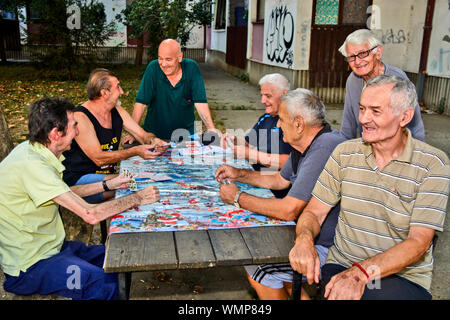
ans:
(21, 84)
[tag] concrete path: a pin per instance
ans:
(237, 105)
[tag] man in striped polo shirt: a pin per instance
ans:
(393, 191)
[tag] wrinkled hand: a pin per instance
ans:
(228, 192)
(119, 182)
(226, 172)
(127, 139)
(159, 145)
(146, 151)
(227, 141)
(305, 260)
(347, 285)
(149, 195)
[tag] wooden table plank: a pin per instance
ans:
(142, 251)
(229, 247)
(285, 236)
(194, 249)
(269, 244)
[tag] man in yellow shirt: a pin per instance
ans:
(33, 254)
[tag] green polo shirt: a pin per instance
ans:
(31, 228)
(171, 108)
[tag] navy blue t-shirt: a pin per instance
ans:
(268, 138)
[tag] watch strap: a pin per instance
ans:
(105, 186)
(236, 199)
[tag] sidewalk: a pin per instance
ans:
(237, 105)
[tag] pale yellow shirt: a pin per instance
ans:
(31, 228)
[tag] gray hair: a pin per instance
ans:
(276, 79)
(361, 36)
(403, 95)
(304, 103)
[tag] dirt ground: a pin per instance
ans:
(236, 104)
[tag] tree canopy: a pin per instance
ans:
(162, 19)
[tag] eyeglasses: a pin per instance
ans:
(360, 55)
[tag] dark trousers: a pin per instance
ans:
(76, 272)
(391, 287)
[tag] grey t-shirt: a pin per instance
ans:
(310, 165)
(350, 124)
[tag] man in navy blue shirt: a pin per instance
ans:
(263, 145)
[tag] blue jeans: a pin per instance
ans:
(392, 287)
(76, 272)
(92, 178)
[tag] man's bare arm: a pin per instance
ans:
(205, 115)
(94, 213)
(138, 111)
(88, 142)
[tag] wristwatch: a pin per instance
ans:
(236, 199)
(105, 187)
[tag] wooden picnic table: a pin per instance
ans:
(128, 252)
(151, 251)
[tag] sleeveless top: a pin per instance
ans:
(77, 163)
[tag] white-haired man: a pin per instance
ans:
(362, 50)
(263, 145)
(393, 191)
(302, 119)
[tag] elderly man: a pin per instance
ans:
(263, 144)
(302, 119)
(362, 50)
(94, 152)
(33, 254)
(393, 191)
(171, 87)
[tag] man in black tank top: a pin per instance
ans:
(94, 153)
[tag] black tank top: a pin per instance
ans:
(77, 163)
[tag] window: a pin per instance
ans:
(260, 5)
(220, 14)
(327, 12)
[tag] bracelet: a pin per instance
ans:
(105, 187)
(361, 268)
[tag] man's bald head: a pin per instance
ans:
(170, 44)
(169, 57)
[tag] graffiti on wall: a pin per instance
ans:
(279, 36)
(393, 37)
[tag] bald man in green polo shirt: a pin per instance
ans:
(171, 87)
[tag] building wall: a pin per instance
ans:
(401, 31)
(439, 52)
(399, 24)
(113, 8)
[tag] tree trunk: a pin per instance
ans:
(6, 143)
(139, 51)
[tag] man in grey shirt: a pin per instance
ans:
(362, 50)
(302, 119)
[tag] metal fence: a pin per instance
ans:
(102, 54)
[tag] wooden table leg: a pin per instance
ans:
(296, 286)
(103, 231)
(124, 285)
